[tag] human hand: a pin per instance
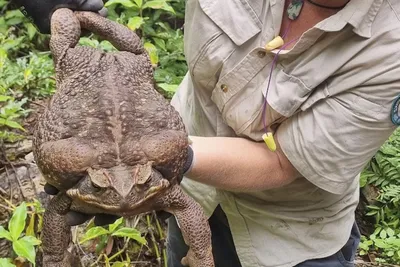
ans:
(77, 218)
(40, 11)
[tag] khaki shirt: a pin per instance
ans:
(330, 101)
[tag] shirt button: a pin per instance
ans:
(224, 88)
(261, 54)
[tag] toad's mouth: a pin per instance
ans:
(126, 207)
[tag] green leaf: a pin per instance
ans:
(389, 150)
(6, 263)
(364, 246)
(32, 240)
(131, 233)
(31, 31)
(14, 124)
(17, 223)
(394, 242)
(5, 234)
(30, 229)
(94, 233)
(371, 213)
(152, 51)
(383, 216)
(378, 217)
(114, 226)
(382, 234)
(135, 23)
(168, 87)
(14, 21)
(390, 232)
(139, 3)
(4, 98)
(377, 230)
(380, 243)
(25, 249)
(160, 43)
(158, 4)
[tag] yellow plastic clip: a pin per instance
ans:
(275, 43)
(269, 141)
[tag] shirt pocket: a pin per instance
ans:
(239, 95)
(224, 26)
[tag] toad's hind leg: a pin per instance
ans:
(120, 36)
(56, 233)
(65, 32)
(194, 225)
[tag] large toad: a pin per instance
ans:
(109, 141)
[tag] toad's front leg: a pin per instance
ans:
(194, 225)
(56, 233)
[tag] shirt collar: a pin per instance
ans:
(358, 13)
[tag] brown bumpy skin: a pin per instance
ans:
(194, 227)
(56, 234)
(109, 141)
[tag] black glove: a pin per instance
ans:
(40, 11)
(77, 218)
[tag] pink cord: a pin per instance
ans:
(274, 61)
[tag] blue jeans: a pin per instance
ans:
(224, 249)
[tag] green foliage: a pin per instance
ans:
(10, 111)
(383, 173)
(114, 229)
(30, 76)
(23, 245)
(103, 239)
(159, 22)
(19, 34)
(25, 72)
(6, 262)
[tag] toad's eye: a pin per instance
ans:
(98, 179)
(95, 186)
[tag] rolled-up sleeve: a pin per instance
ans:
(331, 143)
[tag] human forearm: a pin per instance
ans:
(238, 164)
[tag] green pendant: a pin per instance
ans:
(294, 9)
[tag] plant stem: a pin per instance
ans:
(153, 239)
(120, 251)
(165, 257)
(97, 260)
(160, 231)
